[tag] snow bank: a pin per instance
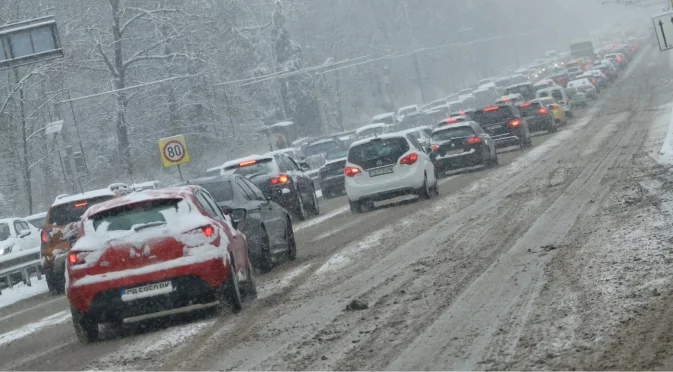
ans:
(666, 151)
(22, 292)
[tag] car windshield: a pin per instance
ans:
(407, 110)
(247, 168)
(220, 191)
(391, 148)
(320, 148)
(136, 216)
(4, 232)
(520, 89)
(452, 132)
(336, 154)
(63, 214)
(370, 132)
(493, 115)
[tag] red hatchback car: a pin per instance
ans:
(151, 251)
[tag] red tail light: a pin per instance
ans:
(208, 231)
(526, 104)
(474, 140)
(280, 180)
(247, 163)
(492, 108)
(543, 111)
(352, 171)
(409, 159)
(435, 147)
(514, 123)
(44, 236)
(77, 258)
(619, 59)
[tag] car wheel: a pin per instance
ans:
(250, 283)
(425, 192)
(315, 207)
(86, 328)
(231, 292)
(495, 161)
(264, 261)
(290, 241)
(300, 211)
(435, 188)
(355, 206)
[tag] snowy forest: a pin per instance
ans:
(135, 71)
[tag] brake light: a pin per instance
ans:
(409, 159)
(619, 59)
(247, 162)
(514, 123)
(492, 108)
(81, 204)
(208, 231)
(526, 104)
(77, 258)
(474, 140)
(451, 120)
(280, 179)
(543, 111)
(352, 171)
(44, 236)
(435, 147)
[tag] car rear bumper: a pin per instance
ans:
(386, 195)
(85, 297)
(108, 305)
(536, 124)
(334, 183)
(506, 140)
(454, 162)
(374, 187)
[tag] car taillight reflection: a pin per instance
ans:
(352, 171)
(543, 111)
(514, 123)
(474, 140)
(44, 236)
(280, 179)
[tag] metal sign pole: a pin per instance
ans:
(180, 172)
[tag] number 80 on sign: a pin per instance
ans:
(173, 151)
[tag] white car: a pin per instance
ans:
(16, 234)
(385, 167)
(406, 110)
(37, 219)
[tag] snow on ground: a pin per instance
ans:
(271, 287)
(351, 252)
(50, 321)
(666, 152)
(22, 292)
(322, 218)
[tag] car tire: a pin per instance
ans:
(435, 188)
(290, 241)
(315, 205)
(230, 291)
(86, 327)
(264, 261)
(425, 192)
(495, 162)
(55, 283)
(300, 210)
(355, 206)
(250, 284)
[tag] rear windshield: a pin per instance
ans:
(530, 110)
(64, 214)
(336, 154)
(38, 221)
(388, 148)
(220, 191)
(136, 216)
(320, 148)
(521, 89)
(261, 166)
(502, 114)
(555, 94)
(452, 132)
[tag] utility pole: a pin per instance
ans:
(419, 78)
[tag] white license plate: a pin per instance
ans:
(454, 151)
(380, 171)
(493, 127)
(147, 290)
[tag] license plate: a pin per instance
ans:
(454, 151)
(380, 171)
(147, 290)
(494, 127)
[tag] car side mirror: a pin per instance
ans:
(304, 165)
(238, 215)
(24, 233)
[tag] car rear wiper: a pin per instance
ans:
(142, 226)
(250, 176)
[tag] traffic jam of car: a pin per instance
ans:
(127, 252)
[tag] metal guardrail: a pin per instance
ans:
(20, 263)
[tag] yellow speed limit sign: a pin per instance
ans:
(173, 151)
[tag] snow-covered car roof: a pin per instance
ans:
(84, 196)
(282, 124)
(407, 107)
(10, 219)
(179, 192)
(451, 126)
(282, 151)
(145, 184)
(383, 136)
(370, 126)
(382, 116)
(240, 160)
(543, 82)
(36, 215)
